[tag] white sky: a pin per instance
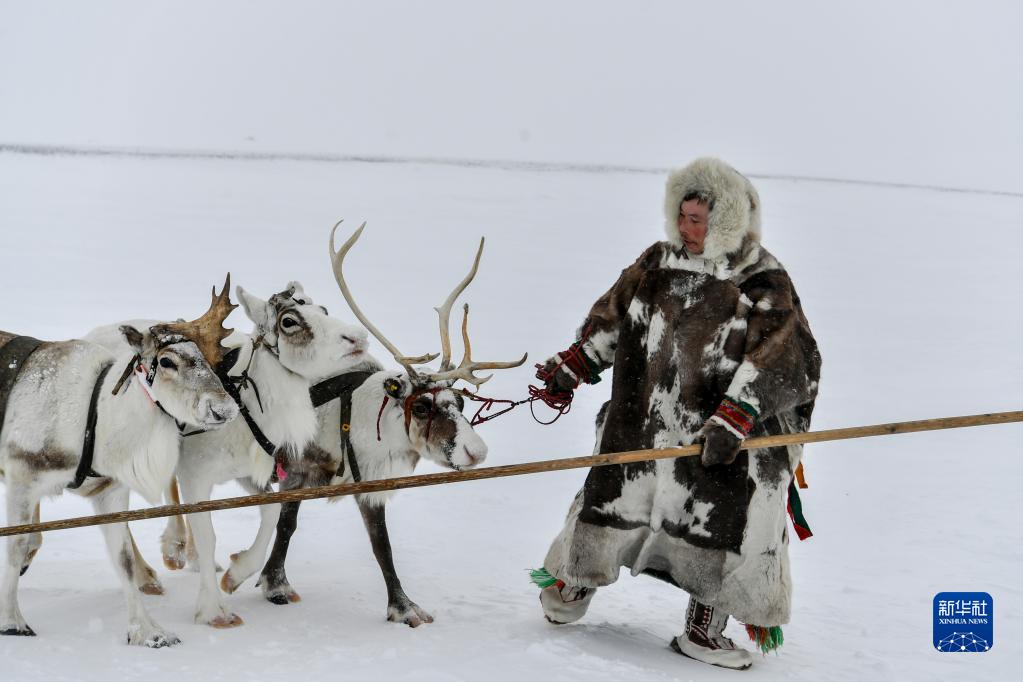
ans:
(923, 92)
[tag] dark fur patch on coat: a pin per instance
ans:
(676, 332)
(48, 459)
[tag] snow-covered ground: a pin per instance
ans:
(912, 294)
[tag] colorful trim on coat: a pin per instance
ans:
(766, 639)
(795, 509)
(582, 368)
(541, 578)
(737, 416)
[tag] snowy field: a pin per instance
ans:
(910, 325)
(911, 291)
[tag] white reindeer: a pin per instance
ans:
(293, 343)
(396, 417)
(65, 395)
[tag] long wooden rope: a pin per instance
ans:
(509, 470)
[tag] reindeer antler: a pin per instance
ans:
(444, 311)
(208, 331)
(467, 366)
(337, 258)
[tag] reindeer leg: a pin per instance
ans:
(174, 541)
(142, 629)
(145, 577)
(400, 609)
(273, 580)
(210, 608)
(247, 562)
(35, 541)
(20, 502)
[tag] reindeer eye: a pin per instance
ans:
(420, 409)
(167, 363)
(288, 322)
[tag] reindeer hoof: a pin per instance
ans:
(283, 598)
(151, 636)
(151, 588)
(410, 614)
(160, 641)
(19, 631)
(282, 594)
(173, 563)
(230, 620)
(227, 583)
(28, 560)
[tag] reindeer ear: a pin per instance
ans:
(256, 309)
(395, 388)
(133, 336)
(298, 294)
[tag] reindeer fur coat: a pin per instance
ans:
(683, 333)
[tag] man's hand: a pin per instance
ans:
(557, 376)
(720, 445)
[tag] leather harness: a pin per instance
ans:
(342, 387)
(85, 469)
(13, 356)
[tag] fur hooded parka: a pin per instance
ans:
(685, 333)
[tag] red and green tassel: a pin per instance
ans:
(766, 639)
(795, 509)
(541, 578)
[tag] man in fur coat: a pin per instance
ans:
(709, 345)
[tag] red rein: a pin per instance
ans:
(559, 402)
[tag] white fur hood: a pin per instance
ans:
(736, 211)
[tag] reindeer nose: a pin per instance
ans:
(348, 339)
(219, 412)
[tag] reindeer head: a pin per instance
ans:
(431, 408)
(307, 341)
(176, 361)
(430, 416)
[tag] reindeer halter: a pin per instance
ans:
(206, 332)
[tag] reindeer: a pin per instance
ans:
(378, 427)
(294, 343)
(64, 405)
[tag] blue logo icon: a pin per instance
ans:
(963, 622)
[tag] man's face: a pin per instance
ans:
(692, 225)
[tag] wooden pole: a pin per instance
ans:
(509, 470)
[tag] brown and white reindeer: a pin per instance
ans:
(378, 425)
(71, 423)
(293, 344)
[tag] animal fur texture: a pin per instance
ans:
(683, 333)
